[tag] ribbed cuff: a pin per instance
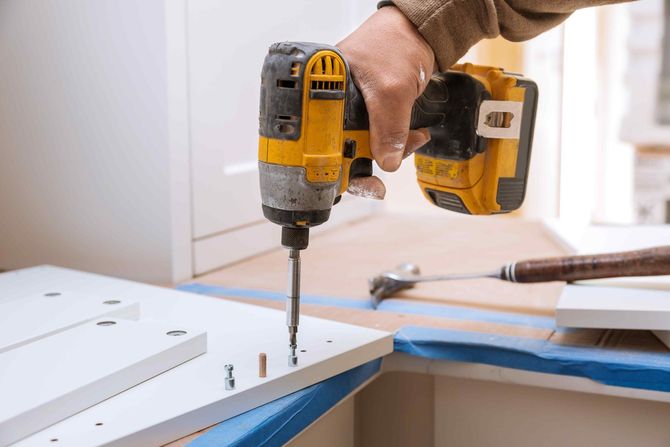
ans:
(450, 27)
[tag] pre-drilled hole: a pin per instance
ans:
(52, 294)
(303, 350)
(106, 323)
(176, 333)
(111, 302)
(329, 341)
(53, 440)
(98, 424)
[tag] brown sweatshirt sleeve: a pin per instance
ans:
(451, 27)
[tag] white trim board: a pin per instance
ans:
(584, 306)
(51, 379)
(32, 317)
(192, 396)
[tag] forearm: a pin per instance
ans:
(451, 27)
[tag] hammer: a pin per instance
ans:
(646, 262)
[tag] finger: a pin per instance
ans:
(368, 187)
(415, 140)
(389, 114)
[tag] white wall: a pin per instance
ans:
(85, 123)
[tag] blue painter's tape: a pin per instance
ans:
(388, 305)
(277, 422)
(632, 369)
(204, 289)
(465, 313)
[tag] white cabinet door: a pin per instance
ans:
(227, 42)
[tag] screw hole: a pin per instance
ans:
(106, 323)
(176, 333)
(53, 440)
(329, 341)
(98, 424)
(303, 350)
(52, 294)
(111, 302)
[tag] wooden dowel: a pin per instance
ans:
(262, 365)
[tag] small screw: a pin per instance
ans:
(230, 380)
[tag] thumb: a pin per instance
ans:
(389, 115)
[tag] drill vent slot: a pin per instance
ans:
(327, 74)
(326, 85)
(295, 68)
(286, 83)
(286, 117)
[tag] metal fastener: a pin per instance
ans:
(230, 380)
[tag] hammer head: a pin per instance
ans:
(392, 281)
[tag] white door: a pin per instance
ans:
(227, 42)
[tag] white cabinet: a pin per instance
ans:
(128, 130)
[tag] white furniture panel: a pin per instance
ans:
(586, 306)
(32, 317)
(51, 379)
(192, 396)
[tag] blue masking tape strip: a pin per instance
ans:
(204, 289)
(388, 305)
(277, 422)
(632, 369)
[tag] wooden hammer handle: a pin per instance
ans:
(647, 262)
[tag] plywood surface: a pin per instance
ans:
(192, 396)
(339, 262)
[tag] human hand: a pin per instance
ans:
(391, 65)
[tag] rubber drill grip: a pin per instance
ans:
(430, 108)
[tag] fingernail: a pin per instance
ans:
(414, 148)
(392, 160)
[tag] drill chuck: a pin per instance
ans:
(295, 238)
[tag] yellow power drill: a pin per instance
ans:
(314, 139)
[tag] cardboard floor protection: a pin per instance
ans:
(338, 263)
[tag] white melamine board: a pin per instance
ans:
(584, 306)
(192, 396)
(28, 318)
(51, 379)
